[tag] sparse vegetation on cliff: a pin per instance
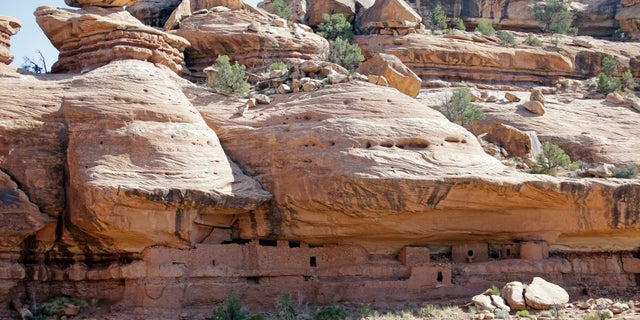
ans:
(281, 9)
(339, 32)
(507, 39)
(460, 24)
(556, 17)
(458, 108)
(485, 27)
(532, 40)
(627, 172)
(438, 18)
(230, 79)
(335, 26)
(552, 157)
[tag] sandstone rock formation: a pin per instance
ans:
(456, 59)
(513, 293)
(91, 37)
(389, 15)
(100, 3)
(8, 27)
(396, 73)
(316, 8)
(627, 18)
(542, 295)
(226, 33)
(153, 12)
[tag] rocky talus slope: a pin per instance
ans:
(123, 182)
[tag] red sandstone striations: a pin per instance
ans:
(246, 37)
(91, 37)
(480, 59)
(8, 26)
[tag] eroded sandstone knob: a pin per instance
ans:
(8, 27)
(92, 37)
(99, 3)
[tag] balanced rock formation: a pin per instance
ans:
(389, 16)
(100, 3)
(8, 27)
(91, 37)
(153, 12)
(396, 73)
(246, 37)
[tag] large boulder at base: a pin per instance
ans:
(246, 37)
(154, 12)
(100, 3)
(92, 37)
(316, 8)
(397, 74)
(8, 27)
(542, 295)
(20, 217)
(516, 142)
(513, 293)
(389, 14)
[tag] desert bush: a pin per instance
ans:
(507, 38)
(553, 156)
(607, 84)
(556, 17)
(438, 18)
(345, 54)
(231, 309)
(460, 24)
(230, 79)
(458, 108)
(501, 314)
(335, 26)
(609, 66)
(532, 40)
(331, 312)
(286, 307)
(627, 80)
(627, 172)
(281, 9)
(618, 35)
(523, 314)
(278, 66)
(496, 291)
(485, 27)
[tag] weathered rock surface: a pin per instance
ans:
(389, 14)
(153, 12)
(8, 26)
(91, 37)
(542, 295)
(396, 73)
(225, 33)
(316, 8)
(100, 3)
(627, 18)
(513, 293)
(446, 58)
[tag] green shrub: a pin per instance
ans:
(532, 40)
(231, 309)
(281, 9)
(485, 27)
(552, 156)
(331, 313)
(278, 66)
(438, 18)
(460, 25)
(607, 84)
(627, 80)
(496, 291)
(458, 108)
(523, 314)
(335, 26)
(609, 66)
(501, 314)
(627, 172)
(507, 38)
(556, 17)
(345, 54)
(540, 170)
(618, 35)
(286, 308)
(230, 79)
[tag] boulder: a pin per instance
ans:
(225, 33)
(483, 302)
(517, 143)
(615, 98)
(513, 293)
(181, 11)
(537, 95)
(397, 74)
(389, 14)
(100, 3)
(511, 97)
(601, 170)
(8, 26)
(156, 13)
(92, 37)
(316, 8)
(499, 303)
(542, 295)
(535, 106)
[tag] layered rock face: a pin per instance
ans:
(462, 57)
(627, 18)
(93, 36)
(153, 12)
(246, 37)
(8, 27)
